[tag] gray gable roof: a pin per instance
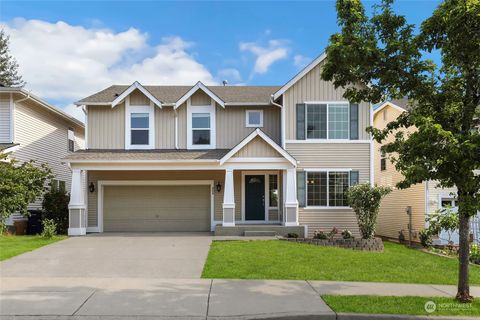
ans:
(171, 94)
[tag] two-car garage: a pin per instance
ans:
(155, 207)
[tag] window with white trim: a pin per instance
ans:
(254, 118)
(201, 129)
(139, 128)
(327, 188)
(327, 121)
(71, 140)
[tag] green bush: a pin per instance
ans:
(55, 207)
(365, 202)
(292, 235)
(425, 238)
(318, 234)
(347, 234)
(443, 219)
(49, 229)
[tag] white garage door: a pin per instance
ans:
(156, 208)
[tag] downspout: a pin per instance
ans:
(282, 120)
(176, 128)
(27, 96)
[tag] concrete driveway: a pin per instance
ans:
(114, 255)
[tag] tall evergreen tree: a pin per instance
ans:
(9, 76)
(385, 54)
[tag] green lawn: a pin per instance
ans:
(289, 260)
(11, 246)
(401, 305)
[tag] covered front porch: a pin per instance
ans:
(229, 192)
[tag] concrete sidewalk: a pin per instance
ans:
(142, 298)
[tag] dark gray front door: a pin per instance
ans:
(254, 197)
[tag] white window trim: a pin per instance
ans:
(201, 109)
(268, 189)
(129, 109)
(328, 118)
(327, 170)
(250, 125)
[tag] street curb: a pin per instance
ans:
(368, 316)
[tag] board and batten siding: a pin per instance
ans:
(312, 88)
(257, 148)
(43, 137)
(392, 216)
(106, 127)
(164, 128)
(5, 118)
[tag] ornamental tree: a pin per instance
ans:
(385, 55)
(365, 201)
(20, 185)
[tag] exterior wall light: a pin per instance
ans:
(219, 187)
(91, 187)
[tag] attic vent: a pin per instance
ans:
(116, 94)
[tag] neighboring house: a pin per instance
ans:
(423, 198)
(31, 129)
(229, 159)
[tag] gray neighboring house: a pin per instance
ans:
(32, 129)
(227, 159)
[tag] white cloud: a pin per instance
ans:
(229, 74)
(64, 62)
(301, 61)
(266, 55)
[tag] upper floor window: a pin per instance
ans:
(254, 118)
(201, 127)
(71, 140)
(383, 161)
(328, 121)
(139, 131)
(139, 128)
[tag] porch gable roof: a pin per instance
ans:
(258, 133)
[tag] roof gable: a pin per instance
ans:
(136, 86)
(193, 90)
(388, 104)
(299, 75)
(252, 137)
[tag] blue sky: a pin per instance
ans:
(69, 49)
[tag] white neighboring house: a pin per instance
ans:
(423, 198)
(32, 129)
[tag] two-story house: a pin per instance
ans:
(228, 159)
(32, 129)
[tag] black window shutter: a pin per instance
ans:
(300, 121)
(353, 121)
(301, 192)
(353, 178)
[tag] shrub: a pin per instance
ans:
(332, 233)
(347, 234)
(475, 253)
(49, 228)
(318, 234)
(425, 238)
(443, 219)
(365, 201)
(55, 207)
(292, 235)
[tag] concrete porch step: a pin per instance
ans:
(259, 233)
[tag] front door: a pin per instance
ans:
(254, 197)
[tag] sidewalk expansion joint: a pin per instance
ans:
(83, 303)
(208, 298)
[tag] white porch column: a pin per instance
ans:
(291, 202)
(77, 209)
(228, 200)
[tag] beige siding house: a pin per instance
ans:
(227, 159)
(422, 199)
(31, 129)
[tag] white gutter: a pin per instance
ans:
(26, 95)
(282, 120)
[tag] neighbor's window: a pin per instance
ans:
(254, 118)
(139, 128)
(327, 189)
(383, 162)
(71, 140)
(328, 121)
(273, 190)
(201, 129)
